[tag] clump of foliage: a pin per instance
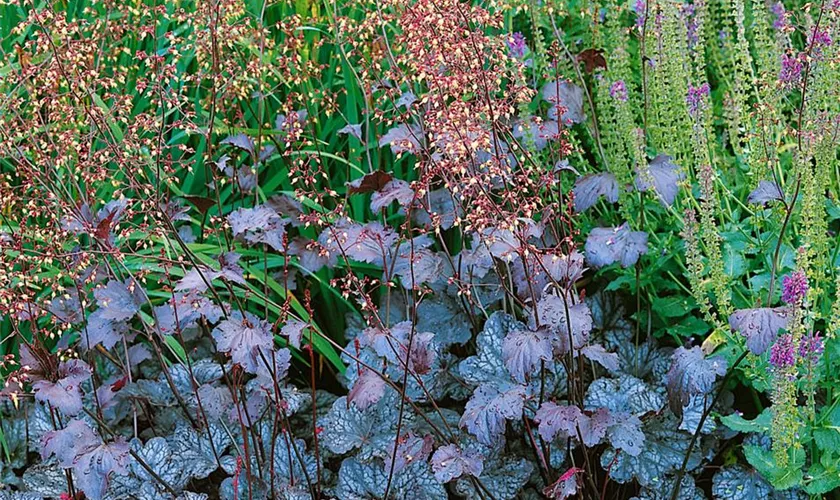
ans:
(419, 249)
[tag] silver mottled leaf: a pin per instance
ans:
(663, 453)
(624, 394)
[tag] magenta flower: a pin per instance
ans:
(517, 45)
(821, 38)
(783, 354)
(794, 287)
(695, 97)
(811, 347)
(618, 91)
(640, 6)
(791, 69)
(778, 10)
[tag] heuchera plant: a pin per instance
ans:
(419, 249)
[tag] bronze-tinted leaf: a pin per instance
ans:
(374, 181)
(201, 203)
(592, 59)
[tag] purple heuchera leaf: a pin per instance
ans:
(372, 243)
(251, 410)
(569, 421)
(598, 354)
(244, 338)
(539, 131)
(410, 449)
(260, 224)
(552, 311)
(312, 256)
(215, 401)
(662, 175)
(594, 427)
(198, 279)
(766, 192)
(175, 210)
(395, 190)
(77, 447)
(589, 188)
(557, 420)
(691, 374)
(486, 411)
(282, 121)
(118, 301)
(240, 141)
(293, 330)
(567, 95)
(392, 344)
(66, 309)
(278, 366)
(367, 390)
(366, 243)
(246, 175)
(402, 138)
(353, 129)
(81, 222)
(506, 243)
(99, 226)
(437, 206)
(760, 326)
(183, 311)
(138, 353)
(417, 266)
(450, 462)
(544, 269)
(93, 468)
(107, 392)
(64, 394)
(113, 209)
(101, 330)
(406, 99)
(67, 443)
(287, 206)
(606, 245)
(523, 350)
(565, 487)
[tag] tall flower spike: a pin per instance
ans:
(811, 347)
(517, 45)
(783, 354)
(795, 287)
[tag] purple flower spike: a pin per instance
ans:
(618, 91)
(517, 45)
(782, 354)
(791, 69)
(811, 347)
(695, 97)
(794, 287)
